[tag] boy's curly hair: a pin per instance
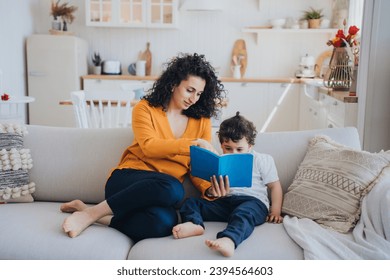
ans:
(236, 128)
(179, 69)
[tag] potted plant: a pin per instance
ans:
(62, 12)
(97, 63)
(313, 16)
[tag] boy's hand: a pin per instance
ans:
(275, 218)
(219, 187)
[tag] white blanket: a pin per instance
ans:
(369, 240)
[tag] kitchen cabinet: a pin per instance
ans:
(339, 113)
(320, 110)
(132, 13)
(313, 114)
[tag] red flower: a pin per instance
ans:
(5, 97)
(353, 30)
(340, 40)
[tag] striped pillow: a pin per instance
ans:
(15, 161)
(331, 182)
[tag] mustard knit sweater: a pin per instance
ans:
(156, 149)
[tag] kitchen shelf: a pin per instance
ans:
(257, 31)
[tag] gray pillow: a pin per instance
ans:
(15, 161)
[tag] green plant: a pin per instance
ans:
(96, 59)
(312, 14)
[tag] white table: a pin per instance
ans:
(13, 110)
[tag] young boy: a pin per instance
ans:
(242, 208)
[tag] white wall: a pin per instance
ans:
(16, 23)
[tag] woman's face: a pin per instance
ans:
(187, 93)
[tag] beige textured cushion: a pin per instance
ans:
(331, 182)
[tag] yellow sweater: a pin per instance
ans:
(156, 149)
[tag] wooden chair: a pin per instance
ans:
(101, 112)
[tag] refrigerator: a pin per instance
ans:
(55, 65)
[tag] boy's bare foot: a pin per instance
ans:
(223, 245)
(73, 206)
(77, 222)
(186, 230)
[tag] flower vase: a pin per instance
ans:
(339, 74)
(56, 24)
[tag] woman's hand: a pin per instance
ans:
(205, 145)
(220, 187)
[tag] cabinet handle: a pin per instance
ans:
(335, 103)
(330, 125)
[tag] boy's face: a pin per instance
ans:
(230, 147)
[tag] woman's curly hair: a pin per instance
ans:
(178, 70)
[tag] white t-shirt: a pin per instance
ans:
(264, 172)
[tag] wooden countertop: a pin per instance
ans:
(223, 79)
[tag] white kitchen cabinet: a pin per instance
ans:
(339, 113)
(313, 113)
(132, 13)
(320, 110)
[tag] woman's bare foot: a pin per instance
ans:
(223, 245)
(77, 223)
(73, 206)
(186, 230)
(80, 220)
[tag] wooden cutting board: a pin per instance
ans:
(147, 56)
(239, 50)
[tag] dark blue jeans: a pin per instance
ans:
(143, 202)
(242, 213)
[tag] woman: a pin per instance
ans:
(143, 189)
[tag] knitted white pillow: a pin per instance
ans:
(15, 161)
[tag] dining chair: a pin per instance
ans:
(101, 111)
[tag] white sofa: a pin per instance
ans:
(72, 163)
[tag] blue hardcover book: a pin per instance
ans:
(238, 167)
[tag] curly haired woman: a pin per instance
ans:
(143, 189)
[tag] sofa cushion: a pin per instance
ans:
(267, 242)
(34, 231)
(15, 163)
(331, 182)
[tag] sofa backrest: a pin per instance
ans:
(289, 148)
(74, 163)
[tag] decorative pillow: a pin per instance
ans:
(15, 161)
(330, 183)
